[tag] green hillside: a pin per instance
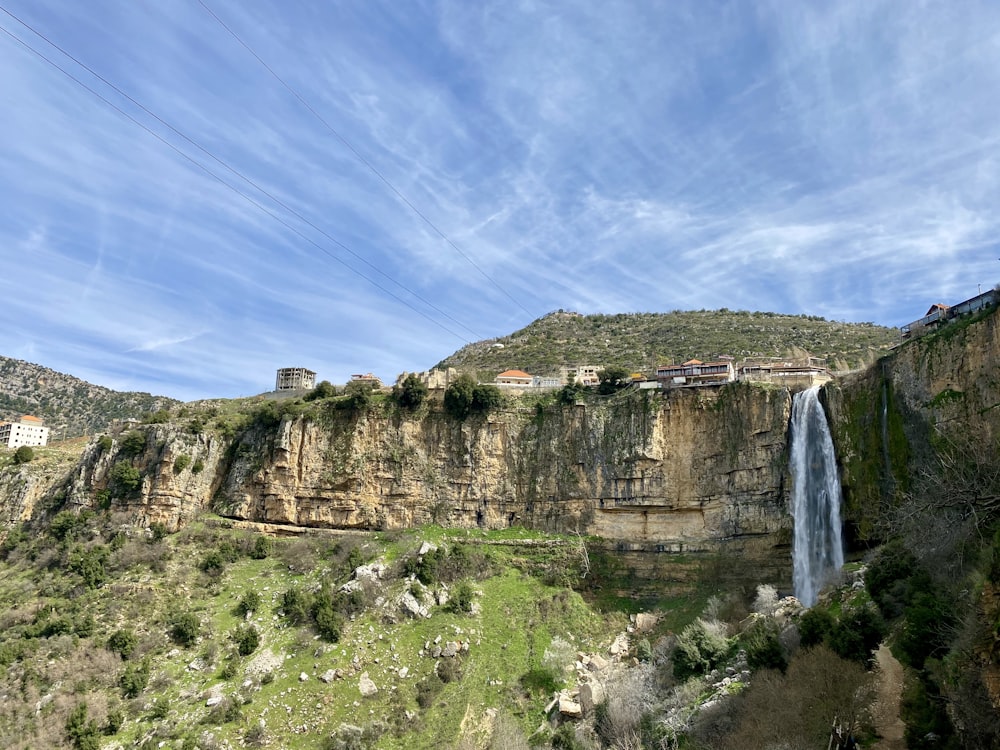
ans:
(70, 406)
(641, 341)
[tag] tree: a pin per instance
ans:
(133, 443)
(611, 379)
(458, 397)
(123, 479)
(23, 455)
(82, 734)
(359, 396)
(486, 398)
(325, 389)
(411, 393)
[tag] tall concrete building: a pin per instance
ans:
(295, 379)
(27, 431)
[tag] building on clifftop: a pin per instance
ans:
(295, 379)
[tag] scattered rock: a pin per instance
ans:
(450, 649)
(645, 622)
(570, 708)
(215, 700)
(403, 671)
(425, 548)
(597, 663)
(303, 677)
(366, 685)
(328, 676)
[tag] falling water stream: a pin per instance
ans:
(817, 550)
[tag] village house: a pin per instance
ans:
(373, 380)
(27, 431)
(513, 379)
(796, 374)
(579, 374)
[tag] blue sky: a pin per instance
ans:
(836, 159)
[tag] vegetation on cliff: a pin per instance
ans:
(641, 341)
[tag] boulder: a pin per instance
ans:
(570, 708)
(366, 685)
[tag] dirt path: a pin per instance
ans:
(890, 688)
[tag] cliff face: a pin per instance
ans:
(688, 470)
(887, 419)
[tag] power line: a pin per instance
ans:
(216, 177)
(374, 170)
(236, 173)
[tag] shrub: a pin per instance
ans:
(23, 455)
(246, 638)
(461, 599)
(411, 393)
(261, 548)
(428, 689)
(458, 397)
(450, 669)
(198, 467)
(123, 642)
(857, 634)
(123, 479)
(486, 398)
(329, 622)
(815, 625)
(181, 462)
(114, 722)
(105, 443)
(763, 646)
(296, 604)
(184, 627)
(83, 734)
(540, 680)
(213, 563)
(250, 602)
(325, 389)
(133, 443)
(700, 648)
(65, 525)
(89, 565)
(134, 679)
(161, 708)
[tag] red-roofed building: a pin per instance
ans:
(513, 378)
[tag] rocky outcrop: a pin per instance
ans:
(687, 470)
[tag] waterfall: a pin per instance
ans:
(817, 550)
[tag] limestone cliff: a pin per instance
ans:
(687, 470)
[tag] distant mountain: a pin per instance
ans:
(70, 406)
(641, 341)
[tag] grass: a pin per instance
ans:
(516, 617)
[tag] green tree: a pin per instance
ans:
(134, 443)
(458, 397)
(134, 679)
(184, 627)
(246, 639)
(23, 455)
(358, 396)
(124, 479)
(83, 733)
(123, 642)
(486, 398)
(611, 379)
(411, 393)
(325, 389)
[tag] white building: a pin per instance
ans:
(27, 431)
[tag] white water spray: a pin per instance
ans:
(818, 550)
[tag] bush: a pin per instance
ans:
(815, 625)
(763, 646)
(23, 455)
(114, 722)
(700, 648)
(261, 548)
(123, 643)
(181, 463)
(428, 689)
(199, 466)
(329, 622)
(66, 525)
(89, 565)
(486, 398)
(296, 605)
(133, 443)
(411, 393)
(83, 734)
(246, 638)
(213, 563)
(540, 680)
(458, 397)
(184, 627)
(461, 599)
(134, 679)
(160, 709)
(250, 602)
(105, 443)
(123, 479)
(325, 389)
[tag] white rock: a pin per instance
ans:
(366, 685)
(303, 677)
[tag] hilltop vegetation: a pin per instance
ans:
(70, 406)
(640, 341)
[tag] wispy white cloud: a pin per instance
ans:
(836, 160)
